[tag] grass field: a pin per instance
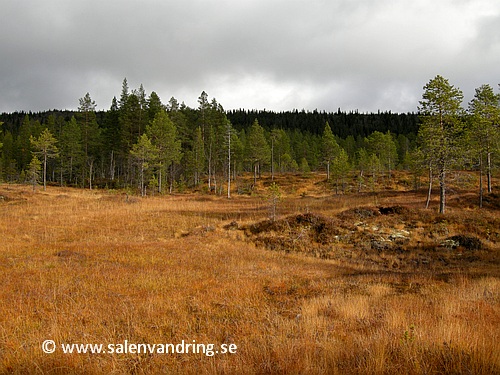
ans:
(354, 283)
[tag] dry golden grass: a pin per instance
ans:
(97, 267)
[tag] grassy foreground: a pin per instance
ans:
(96, 267)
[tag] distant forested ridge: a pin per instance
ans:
(144, 143)
(343, 124)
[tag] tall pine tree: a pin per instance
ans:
(441, 128)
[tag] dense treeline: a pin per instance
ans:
(343, 124)
(144, 143)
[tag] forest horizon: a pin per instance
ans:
(144, 142)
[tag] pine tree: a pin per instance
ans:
(154, 105)
(34, 168)
(441, 128)
(22, 143)
(71, 149)
(274, 196)
(9, 167)
(363, 163)
(330, 148)
(144, 154)
(384, 147)
(91, 136)
(484, 131)
(341, 169)
(275, 135)
(112, 139)
(196, 156)
(163, 136)
(258, 151)
(228, 138)
(46, 147)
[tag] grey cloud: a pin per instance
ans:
(250, 53)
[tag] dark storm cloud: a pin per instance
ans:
(273, 54)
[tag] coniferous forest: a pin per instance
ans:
(145, 143)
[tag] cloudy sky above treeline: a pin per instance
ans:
(365, 55)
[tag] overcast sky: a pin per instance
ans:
(275, 54)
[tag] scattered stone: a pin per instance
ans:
(460, 240)
(450, 244)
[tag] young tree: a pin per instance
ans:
(91, 136)
(258, 151)
(275, 135)
(228, 143)
(341, 169)
(415, 162)
(46, 147)
(374, 167)
(362, 162)
(330, 148)
(34, 168)
(440, 132)
(283, 151)
(384, 147)
(163, 135)
(484, 132)
(144, 154)
(274, 195)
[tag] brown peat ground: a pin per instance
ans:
(359, 283)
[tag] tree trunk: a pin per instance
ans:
(229, 171)
(489, 171)
(112, 166)
(480, 181)
(430, 189)
(160, 187)
(171, 189)
(90, 174)
(442, 191)
(44, 172)
(272, 159)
